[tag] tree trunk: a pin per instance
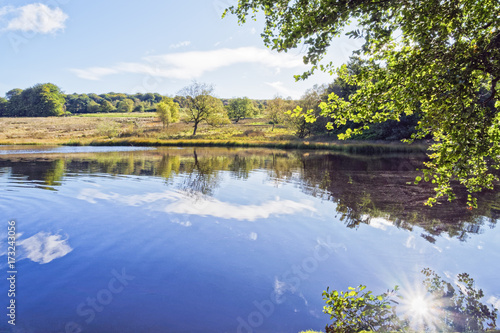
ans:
(195, 128)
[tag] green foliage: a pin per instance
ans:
(276, 109)
(139, 108)
(239, 108)
(106, 106)
(357, 310)
(305, 116)
(93, 107)
(41, 100)
(3, 107)
(168, 111)
(452, 309)
(461, 309)
(438, 58)
(126, 105)
(201, 106)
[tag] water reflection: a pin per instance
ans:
(44, 247)
(368, 190)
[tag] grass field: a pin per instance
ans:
(117, 115)
(147, 130)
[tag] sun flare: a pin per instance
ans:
(419, 306)
(421, 309)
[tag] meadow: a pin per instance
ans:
(144, 129)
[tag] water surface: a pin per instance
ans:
(224, 240)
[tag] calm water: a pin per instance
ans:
(218, 240)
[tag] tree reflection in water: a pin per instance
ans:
(365, 189)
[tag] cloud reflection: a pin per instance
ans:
(185, 203)
(44, 247)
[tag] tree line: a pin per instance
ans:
(196, 103)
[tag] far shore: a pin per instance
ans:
(135, 130)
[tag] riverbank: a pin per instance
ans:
(148, 131)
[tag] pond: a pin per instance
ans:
(223, 240)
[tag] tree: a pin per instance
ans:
(47, 100)
(107, 106)
(3, 107)
(201, 106)
(449, 308)
(168, 111)
(307, 105)
(139, 108)
(125, 105)
(276, 109)
(41, 100)
(15, 105)
(439, 57)
(239, 108)
(93, 107)
(77, 103)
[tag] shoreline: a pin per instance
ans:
(346, 147)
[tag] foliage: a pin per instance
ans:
(126, 105)
(453, 309)
(276, 109)
(41, 100)
(139, 108)
(440, 58)
(357, 310)
(3, 107)
(201, 106)
(168, 111)
(239, 108)
(460, 307)
(308, 105)
(106, 106)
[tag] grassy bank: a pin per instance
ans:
(144, 130)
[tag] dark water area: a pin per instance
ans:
(223, 240)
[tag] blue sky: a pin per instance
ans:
(148, 46)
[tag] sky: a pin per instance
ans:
(149, 46)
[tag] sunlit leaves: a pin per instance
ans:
(440, 59)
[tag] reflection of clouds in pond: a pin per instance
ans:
(280, 287)
(182, 223)
(44, 247)
(185, 203)
(410, 242)
(378, 222)
(216, 208)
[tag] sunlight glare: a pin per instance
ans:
(419, 306)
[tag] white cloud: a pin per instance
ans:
(253, 236)
(183, 203)
(181, 44)
(44, 247)
(35, 17)
(94, 73)
(192, 65)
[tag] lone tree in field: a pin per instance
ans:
(440, 58)
(240, 108)
(168, 111)
(201, 106)
(276, 109)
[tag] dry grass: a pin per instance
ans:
(63, 130)
(148, 131)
